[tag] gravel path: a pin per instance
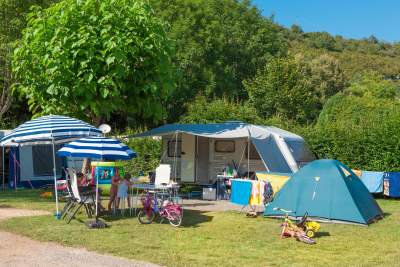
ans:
(19, 251)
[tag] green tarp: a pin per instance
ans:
(328, 191)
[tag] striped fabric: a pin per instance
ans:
(97, 148)
(49, 129)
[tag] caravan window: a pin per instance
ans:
(224, 146)
(253, 152)
(172, 146)
(42, 159)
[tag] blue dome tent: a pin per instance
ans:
(329, 191)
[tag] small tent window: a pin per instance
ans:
(173, 146)
(42, 159)
(253, 152)
(224, 146)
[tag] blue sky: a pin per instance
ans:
(349, 18)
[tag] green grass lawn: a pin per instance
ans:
(218, 238)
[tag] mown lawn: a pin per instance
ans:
(218, 239)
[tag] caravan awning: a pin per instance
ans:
(219, 130)
(271, 142)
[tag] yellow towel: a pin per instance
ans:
(276, 181)
(255, 199)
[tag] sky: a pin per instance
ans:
(349, 18)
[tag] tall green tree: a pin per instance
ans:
(12, 21)
(202, 110)
(282, 89)
(92, 58)
(295, 88)
(327, 76)
(218, 44)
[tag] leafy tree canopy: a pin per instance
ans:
(295, 89)
(202, 110)
(219, 43)
(372, 84)
(12, 21)
(91, 58)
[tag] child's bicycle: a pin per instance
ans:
(291, 229)
(167, 209)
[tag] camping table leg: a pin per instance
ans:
(130, 202)
(136, 200)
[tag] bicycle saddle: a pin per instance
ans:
(303, 219)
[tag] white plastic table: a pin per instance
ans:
(171, 188)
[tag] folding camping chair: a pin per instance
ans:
(86, 200)
(65, 187)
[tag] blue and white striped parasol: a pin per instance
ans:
(97, 148)
(51, 129)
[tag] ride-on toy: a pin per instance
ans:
(299, 230)
(309, 227)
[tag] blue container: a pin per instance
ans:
(391, 184)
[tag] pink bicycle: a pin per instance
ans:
(166, 209)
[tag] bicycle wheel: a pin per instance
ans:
(146, 217)
(175, 219)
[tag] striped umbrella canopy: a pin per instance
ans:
(97, 148)
(51, 129)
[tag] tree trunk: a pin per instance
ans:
(6, 95)
(96, 120)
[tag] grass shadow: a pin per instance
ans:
(196, 204)
(322, 234)
(193, 218)
(24, 195)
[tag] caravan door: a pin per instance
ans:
(203, 151)
(188, 153)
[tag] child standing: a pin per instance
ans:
(115, 180)
(123, 190)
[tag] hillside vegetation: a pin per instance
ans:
(200, 61)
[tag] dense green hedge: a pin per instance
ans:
(362, 132)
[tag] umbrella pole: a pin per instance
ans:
(55, 179)
(97, 196)
(3, 169)
(248, 157)
(15, 168)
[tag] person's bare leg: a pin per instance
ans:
(112, 199)
(129, 201)
(117, 202)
